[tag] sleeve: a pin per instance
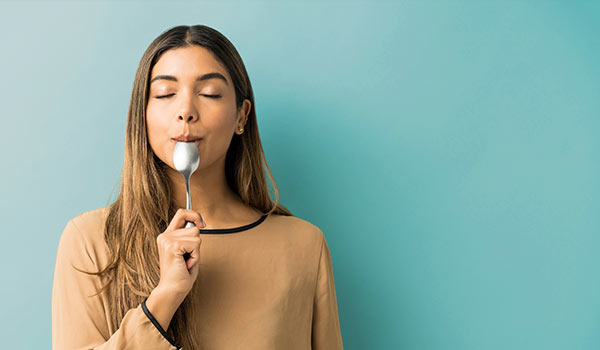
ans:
(326, 333)
(78, 319)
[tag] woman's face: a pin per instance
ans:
(195, 105)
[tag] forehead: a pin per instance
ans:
(188, 63)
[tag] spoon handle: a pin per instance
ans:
(188, 197)
(188, 200)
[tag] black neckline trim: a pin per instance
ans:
(158, 326)
(235, 229)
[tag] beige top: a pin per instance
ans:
(266, 285)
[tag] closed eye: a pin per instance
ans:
(169, 95)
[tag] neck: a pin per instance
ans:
(210, 194)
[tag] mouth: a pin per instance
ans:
(182, 138)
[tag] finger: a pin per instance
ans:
(194, 257)
(187, 245)
(190, 232)
(199, 222)
(181, 216)
(177, 246)
(194, 270)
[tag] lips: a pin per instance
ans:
(186, 138)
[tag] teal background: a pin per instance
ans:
(447, 149)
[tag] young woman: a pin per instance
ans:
(256, 278)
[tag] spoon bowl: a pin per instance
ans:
(186, 159)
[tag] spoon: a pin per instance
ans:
(186, 159)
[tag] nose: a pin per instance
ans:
(188, 111)
(189, 118)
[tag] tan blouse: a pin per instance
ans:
(266, 285)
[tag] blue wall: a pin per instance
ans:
(448, 150)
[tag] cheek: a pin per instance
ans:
(157, 136)
(151, 128)
(224, 120)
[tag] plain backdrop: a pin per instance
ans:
(447, 149)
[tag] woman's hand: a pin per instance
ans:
(177, 276)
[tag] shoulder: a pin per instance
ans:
(298, 227)
(83, 237)
(89, 224)
(91, 218)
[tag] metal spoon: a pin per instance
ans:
(186, 159)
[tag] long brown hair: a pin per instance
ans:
(144, 205)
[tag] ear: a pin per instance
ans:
(244, 111)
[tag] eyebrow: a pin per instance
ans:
(200, 78)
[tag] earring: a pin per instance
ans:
(241, 129)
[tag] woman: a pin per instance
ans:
(256, 278)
